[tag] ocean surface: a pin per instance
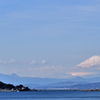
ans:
(50, 95)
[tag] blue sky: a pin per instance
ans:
(48, 38)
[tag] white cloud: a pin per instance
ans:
(48, 71)
(47, 68)
(12, 60)
(35, 62)
(80, 73)
(44, 61)
(7, 62)
(94, 60)
(53, 72)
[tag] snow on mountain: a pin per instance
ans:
(94, 60)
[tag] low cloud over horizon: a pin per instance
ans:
(83, 69)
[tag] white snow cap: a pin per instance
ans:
(94, 60)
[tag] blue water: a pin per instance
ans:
(50, 95)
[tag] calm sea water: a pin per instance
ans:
(50, 95)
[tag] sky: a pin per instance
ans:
(49, 38)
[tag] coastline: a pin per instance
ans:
(69, 90)
(6, 90)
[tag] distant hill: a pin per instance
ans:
(68, 85)
(15, 79)
(33, 82)
(86, 86)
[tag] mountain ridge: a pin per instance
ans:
(33, 82)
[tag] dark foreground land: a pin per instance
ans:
(10, 87)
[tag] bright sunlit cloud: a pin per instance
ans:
(80, 73)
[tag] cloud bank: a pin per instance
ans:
(7, 62)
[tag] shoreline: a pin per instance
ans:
(5, 90)
(68, 90)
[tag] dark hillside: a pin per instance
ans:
(12, 87)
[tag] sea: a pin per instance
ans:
(51, 95)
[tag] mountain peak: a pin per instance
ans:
(94, 60)
(14, 75)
